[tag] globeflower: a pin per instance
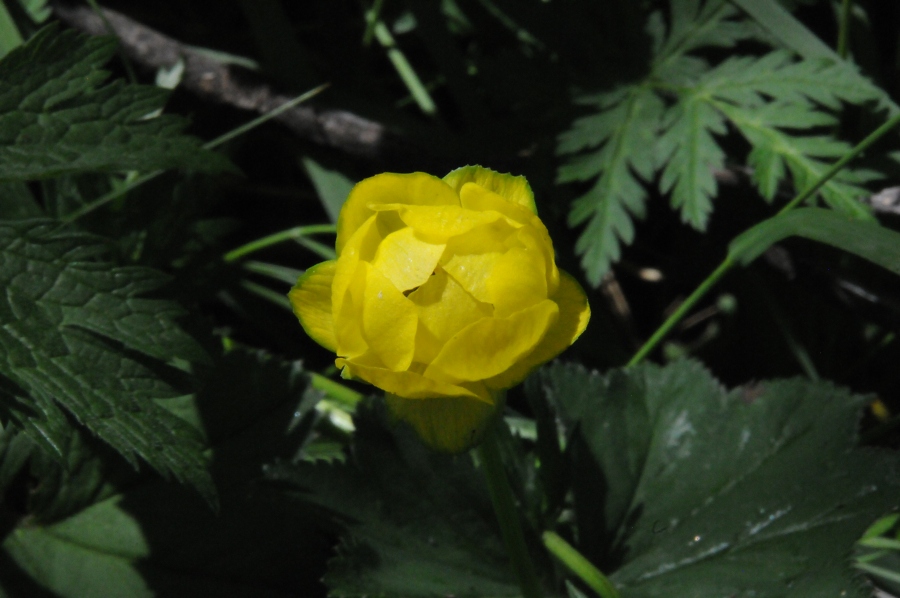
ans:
(444, 293)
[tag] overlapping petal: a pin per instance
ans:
(444, 294)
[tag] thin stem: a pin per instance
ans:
(580, 566)
(129, 69)
(679, 313)
(124, 189)
(844, 28)
(372, 16)
(837, 166)
(290, 234)
(507, 514)
(729, 263)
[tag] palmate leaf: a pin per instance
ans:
(683, 489)
(55, 118)
(419, 523)
(75, 334)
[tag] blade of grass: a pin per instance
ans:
(281, 273)
(404, 69)
(137, 182)
(279, 299)
(10, 38)
(781, 24)
(882, 572)
(580, 566)
(291, 234)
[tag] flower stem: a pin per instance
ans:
(579, 565)
(291, 234)
(507, 514)
(728, 263)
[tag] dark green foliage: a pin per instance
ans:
(669, 122)
(55, 118)
(77, 335)
(420, 524)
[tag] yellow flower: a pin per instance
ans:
(444, 294)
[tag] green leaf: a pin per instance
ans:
(701, 492)
(625, 130)
(868, 240)
(74, 332)
(332, 186)
(416, 520)
(777, 21)
(691, 155)
(258, 545)
(55, 118)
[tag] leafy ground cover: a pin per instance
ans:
(719, 175)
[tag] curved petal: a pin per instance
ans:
(514, 189)
(406, 260)
(440, 223)
(348, 331)
(517, 281)
(410, 385)
(491, 346)
(445, 424)
(389, 320)
(416, 188)
(311, 300)
(445, 307)
(574, 314)
(478, 198)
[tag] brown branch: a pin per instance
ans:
(227, 84)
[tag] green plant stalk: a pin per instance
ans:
(405, 70)
(124, 189)
(290, 234)
(580, 566)
(729, 262)
(844, 28)
(507, 514)
(372, 18)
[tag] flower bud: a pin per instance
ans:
(444, 294)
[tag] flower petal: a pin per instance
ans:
(347, 323)
(417, 188)
(477, 198)
(411, 385)
(470, 258)
(389, 320)
(517, 281)
(491, 346)
(574, 314)
(440, 223)
(445, 307)
(311, 300)
(445, 424)
(406, 260)
(514, 189)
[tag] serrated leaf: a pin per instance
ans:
(775, 151)
(56, 118)
(691, 155)
(627, 131)
(704, 492)
(74, 332)
(417, 520)
(700, 23)
(127, 545)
